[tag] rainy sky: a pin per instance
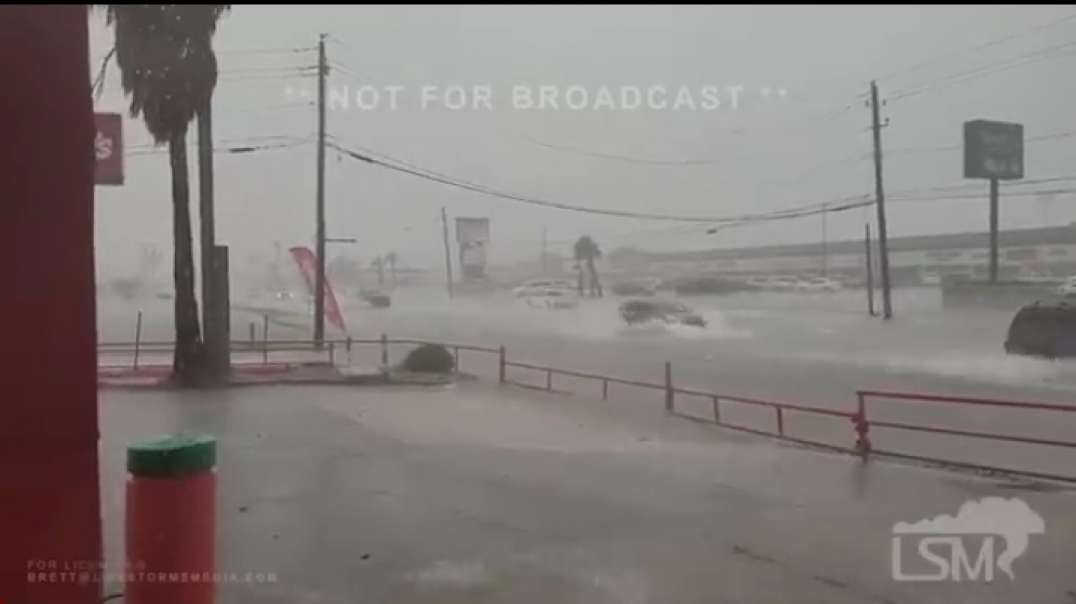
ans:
(776, 120)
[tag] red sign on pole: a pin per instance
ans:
(108, 149)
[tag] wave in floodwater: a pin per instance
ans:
(990, 368)
(589, 320)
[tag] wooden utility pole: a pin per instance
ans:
(319, 278)
(993, 230)
(448, 253)
(870, 269)
(879, 193)
(825, 243)
(545, 264)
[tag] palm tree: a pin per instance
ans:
(586, 252)
(169, 70)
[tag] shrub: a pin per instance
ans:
(430, 358)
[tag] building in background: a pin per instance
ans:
(1047, 251)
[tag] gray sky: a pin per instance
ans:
(809, 146)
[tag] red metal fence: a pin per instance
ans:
(857, 418)
(864, 423)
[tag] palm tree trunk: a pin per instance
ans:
(214, 348)
(186, 361)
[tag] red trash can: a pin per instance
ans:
(171, 521)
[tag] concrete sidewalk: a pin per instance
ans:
(479, 493)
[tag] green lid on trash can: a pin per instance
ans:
(172, 455)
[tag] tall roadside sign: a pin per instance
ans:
(108, 149)
(994, 151)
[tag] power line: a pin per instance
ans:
(235, 149)
(265, 51)
(959, 146)
(984, 45)
(842, 205)
(1043, 54)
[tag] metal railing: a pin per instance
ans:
(779, 429)
(864, 424)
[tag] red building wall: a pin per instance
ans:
(49, 506)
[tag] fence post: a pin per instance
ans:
(669, 404)
(780, 422)
(863, 442)
(385, 351)
(502, 365)
(717, 412)
(265, 339)
(348, 345)
(138, 338)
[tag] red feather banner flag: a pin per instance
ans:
(308, 266)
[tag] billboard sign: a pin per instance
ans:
(108, 149)
(472, 235)
(993, 150)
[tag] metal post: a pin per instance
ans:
(605, 390)
(265, 339)
(717, 412)
(332, 353)
(348, 345)
(780, 422)
(253, 338)
(993, 230)
(448, 254)
(669, 405)
(384, 351)
(863, 443)
(870, 271)
(502, 365)
(138, 338)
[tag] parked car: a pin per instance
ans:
(1043, 330)
(552, 298)
(539, 287)
(785, 283)
(820, 284)
(1067, 288)
(644, 311)
(376, 299)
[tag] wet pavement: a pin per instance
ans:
(480, 493)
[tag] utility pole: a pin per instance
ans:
(448, 253)
(825, 243)
(319, 280)
(879, 193)
(545, 266)
(870, 269)
(993, 230)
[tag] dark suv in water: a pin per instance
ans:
(643, 311)
(1043, 330)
